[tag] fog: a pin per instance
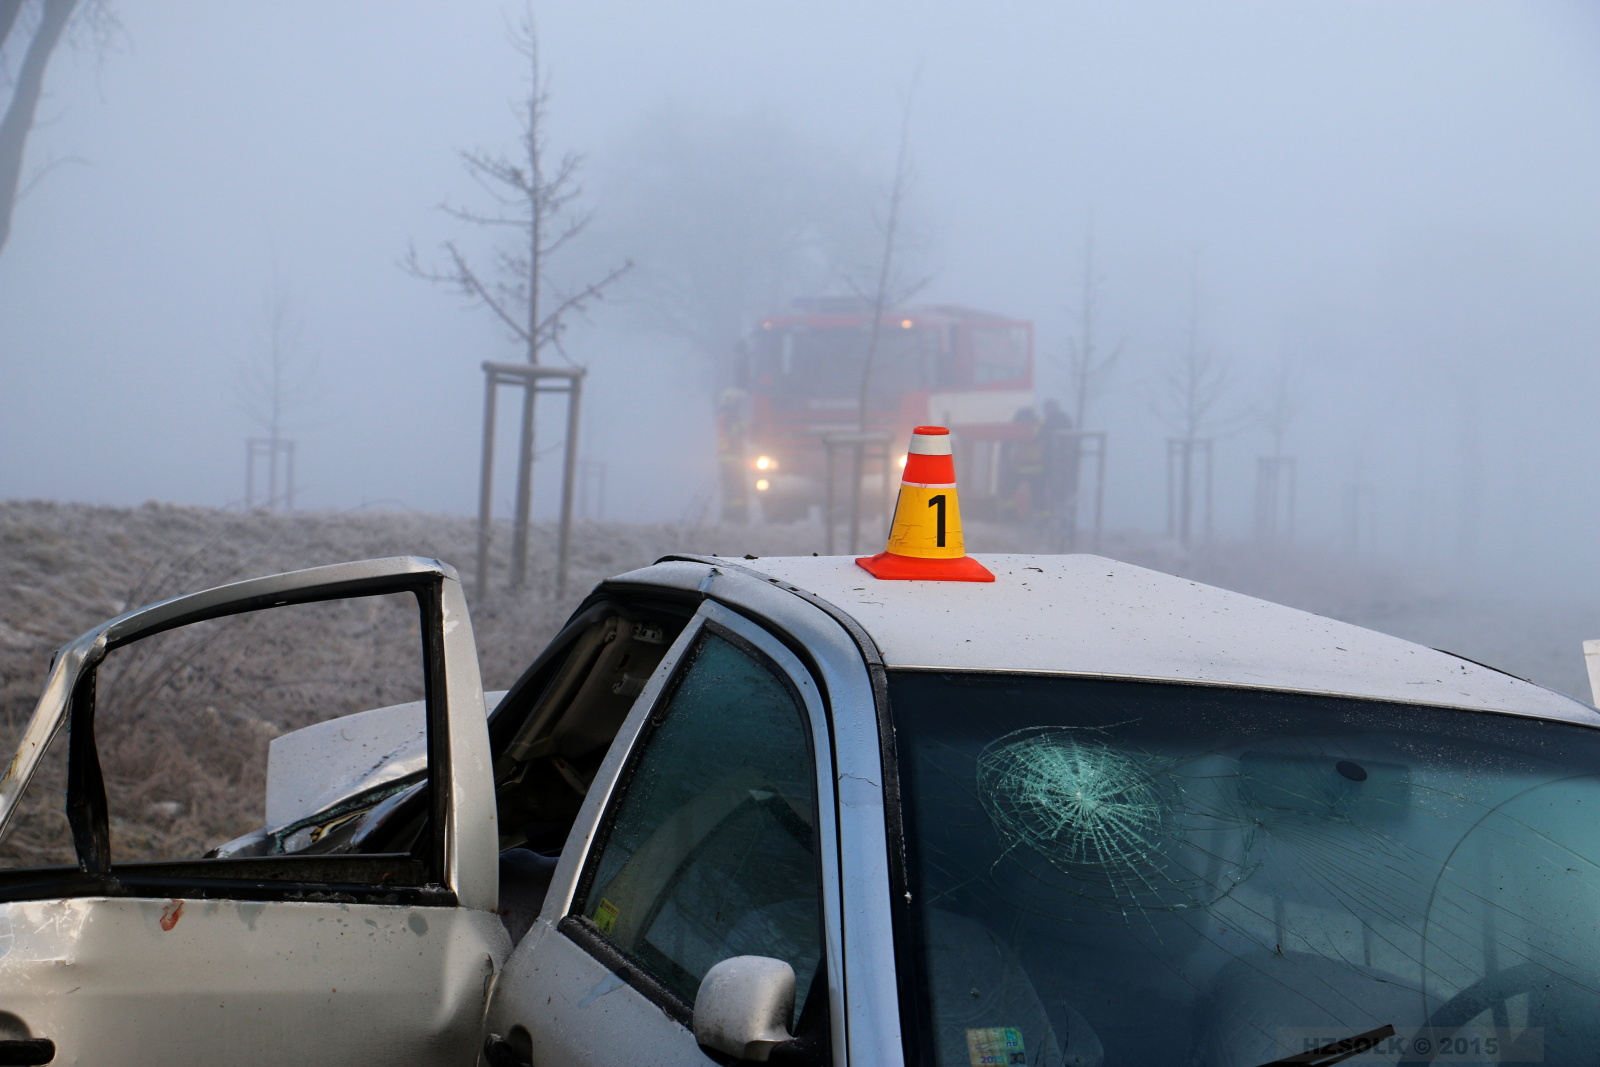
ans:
(1397, 206)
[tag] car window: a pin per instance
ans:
(710, 851)
(196, 727)
(243, 738)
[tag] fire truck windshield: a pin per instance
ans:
(827, 361)
(999, 354)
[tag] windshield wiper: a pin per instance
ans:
(1339, 1050)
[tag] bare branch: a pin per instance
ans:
(480, 220)
(576, 227)
(411, 263)
(555, 342)
(577, 302)
(40, 174)
(499, 169)
(470, 282)
(855, 289)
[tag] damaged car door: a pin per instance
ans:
(134, 931)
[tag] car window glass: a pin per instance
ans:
(711, 849)
(1276, 873)
(196, 729)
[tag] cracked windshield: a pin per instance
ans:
(1114, 872)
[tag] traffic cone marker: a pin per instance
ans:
(925, 542)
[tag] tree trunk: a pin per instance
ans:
(24, 102)
(9, 10)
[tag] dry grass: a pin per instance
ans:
(186, 717)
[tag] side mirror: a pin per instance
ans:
(744, 1007)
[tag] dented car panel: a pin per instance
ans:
(312, 769)
(156, 982)
(224, 959)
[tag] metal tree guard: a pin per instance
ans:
(1072, 453)
(280, 479)
(862, 447)
(1276, 478)
(533, 380)
(1184, 454)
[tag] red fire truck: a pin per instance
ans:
(800, 378)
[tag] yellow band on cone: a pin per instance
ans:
(918, 512)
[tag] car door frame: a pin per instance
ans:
(465, 837)
(115, 928)
(811, 640)
(849, 668)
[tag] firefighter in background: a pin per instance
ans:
(1061, 446)
(1022, 465)
(733, 427)
(1040, 470)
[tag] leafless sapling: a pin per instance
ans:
(533, 202)
(890, 289)
(272, 388)
(1088, 367)
(1276, 475)
(1191, 386)
(1068, 441)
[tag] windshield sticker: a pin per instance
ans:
(995, 1045)
(605, 916)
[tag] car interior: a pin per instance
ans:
(549, 735)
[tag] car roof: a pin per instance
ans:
(1089, 615)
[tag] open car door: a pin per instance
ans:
(141, 945)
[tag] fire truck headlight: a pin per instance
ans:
(766, 463)
(762, 485)
(902, 461)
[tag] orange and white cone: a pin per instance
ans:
(925, 542)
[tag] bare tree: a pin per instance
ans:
(1276, 475)
(1069, 445)
(1087, 367)
(271, 388)
(48, 24)
(889, 290)
(534, 201)
(1281, 405)
(1193, 384)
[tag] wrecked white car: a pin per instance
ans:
(779, 811)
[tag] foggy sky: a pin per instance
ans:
(1402, 201)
